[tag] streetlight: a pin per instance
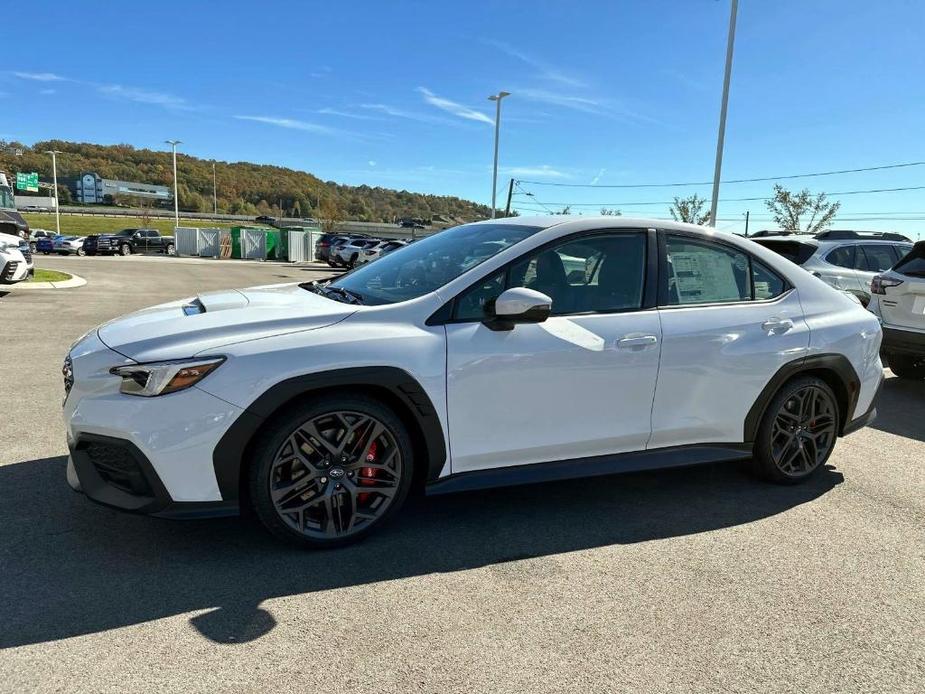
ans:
(494, 174)
(54, 175)
(730, 43)
(176, 201)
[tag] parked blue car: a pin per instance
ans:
(46, 244)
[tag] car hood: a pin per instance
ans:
(210, 321)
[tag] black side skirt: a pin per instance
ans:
(675, 456)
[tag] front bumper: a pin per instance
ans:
(903, 341)
(145, 455)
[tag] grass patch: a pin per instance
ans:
(49, 276)
(83, 225)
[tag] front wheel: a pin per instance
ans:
(907, 366)
(798, 431)
(81, 252)
(171, 249)
(330, 471)
(125, 249)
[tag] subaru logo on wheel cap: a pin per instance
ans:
(336, 473)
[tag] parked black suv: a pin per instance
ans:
(129, 241)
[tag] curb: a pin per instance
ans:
(75, 281)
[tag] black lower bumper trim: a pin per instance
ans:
(861, 422)
(145, 495)
(904, 341)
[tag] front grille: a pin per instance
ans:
(10, 270)
(116, 466)
(68, 372)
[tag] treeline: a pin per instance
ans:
(243, 188)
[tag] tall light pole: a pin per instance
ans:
(494, 172)
(176, 200)
(54, 177)
(214, 192)
(730, 43)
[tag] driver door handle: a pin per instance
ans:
(637, 342)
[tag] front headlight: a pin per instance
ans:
(149, 380)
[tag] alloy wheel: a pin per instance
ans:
(335, 475)
(804, 431)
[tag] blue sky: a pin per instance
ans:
(395, 94)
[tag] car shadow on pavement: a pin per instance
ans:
(900, 408)
(70, 567)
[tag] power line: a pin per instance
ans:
(758, 199)
(734, 180)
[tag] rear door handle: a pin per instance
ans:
(637, 342)
(777, 325)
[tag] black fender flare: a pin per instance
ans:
(403, 390)
(834, 363)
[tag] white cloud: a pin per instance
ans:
(47, 92)
(143, 96)
(543, 171)
(290, 123)
(345, 114)
(454, 108)
(371, 162)
(400, 113)
(41, 76)
(546, 71)
(577, 103)
(598, 177)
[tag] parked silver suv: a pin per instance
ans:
(899, 302)
(847, 260)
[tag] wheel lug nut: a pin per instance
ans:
(323, 480)
(337, 486)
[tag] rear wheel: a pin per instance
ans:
(798, 431)
(81, 251)
(171, 249)
(907, 366)
(330, 471)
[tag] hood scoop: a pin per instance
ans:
(217, 301)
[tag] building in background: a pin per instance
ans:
(90, 188)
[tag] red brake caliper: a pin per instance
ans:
(367, 474)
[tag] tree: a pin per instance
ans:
(611, 213)
(329, 214)
(565, 210)
(787, 209)
(690, 210)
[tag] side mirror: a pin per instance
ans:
(518, 305)
(137, 235)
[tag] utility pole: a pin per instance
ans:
(494, 174)
(746, 223)
(54, 177)
(510, 192)
(214, 192)
(730, 44)
(176, 200)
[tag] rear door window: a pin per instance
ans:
(913, 264)
(878, 257)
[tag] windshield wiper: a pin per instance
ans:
(350, 296)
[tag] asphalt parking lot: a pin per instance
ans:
(698, 579)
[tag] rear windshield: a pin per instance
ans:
(794, 251)
(913, 263)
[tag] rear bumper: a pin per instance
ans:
(903, 341)
(868, 417)
(115, 473)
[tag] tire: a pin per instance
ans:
(170, 249)
(378, 492)
(331, 264)
(46, 252)
(797, 432)
(125, 249)
(907, 366)
(353, 261)
(81, 252)
(33, 247)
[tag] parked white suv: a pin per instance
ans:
(14, 266)
(899, 301)
(458, 368)
(847, 260)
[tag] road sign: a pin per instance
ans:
(27, 181)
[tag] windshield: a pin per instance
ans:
(794, 251)
(7, 202)
(913, 263)
(430, 263)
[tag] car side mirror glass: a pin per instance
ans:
(517, 305)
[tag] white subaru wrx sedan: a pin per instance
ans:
(496, 353)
